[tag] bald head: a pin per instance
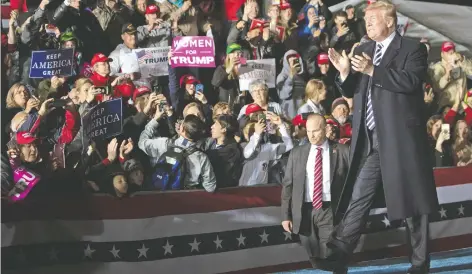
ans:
(316, 129)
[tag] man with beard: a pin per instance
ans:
(340, 112)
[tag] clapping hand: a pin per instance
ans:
(126, 148)
(340, 61)
(111, 150)
(362, 64)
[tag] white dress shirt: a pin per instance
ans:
(310, 173)
(385, 43)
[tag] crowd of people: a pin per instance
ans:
(174, 135)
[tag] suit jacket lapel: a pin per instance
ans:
(305, 152)
(392, 51)
(369, 50)
(333, 159)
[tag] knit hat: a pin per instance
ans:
(69, 36)
(252, 108)
(337, 102)
(233, 47)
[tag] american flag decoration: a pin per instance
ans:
(236, 230)
(142, 55)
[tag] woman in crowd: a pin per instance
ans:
(260, 94)
(225, 79)
(259, 155)
(315, 93)
(462, 146)
(440, 142)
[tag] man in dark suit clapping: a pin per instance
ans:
(389, 139)
(314, 178)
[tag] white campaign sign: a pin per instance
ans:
(152, 61)
(263, 69)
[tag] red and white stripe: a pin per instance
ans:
(149, 216)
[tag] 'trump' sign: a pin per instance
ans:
(47, 63)
(193, 51)
(104, 120)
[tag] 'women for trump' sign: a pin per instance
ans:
(193, 51)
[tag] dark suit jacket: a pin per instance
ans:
(397, 101)
(293, 191)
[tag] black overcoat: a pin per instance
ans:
(397, 101)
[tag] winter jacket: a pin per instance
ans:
(190, 23)
(291, 89)
(200, 171)
(85, 26)
(121, 90)
(448, 88)
(310, 107)
(158, 37)
(227, 89)
(226, 161)
(259, 157)
(104, 16)
(344, 42)
(124, 60)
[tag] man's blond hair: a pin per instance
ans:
(389, 9)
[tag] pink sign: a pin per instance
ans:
(193, 51)
(25, 180)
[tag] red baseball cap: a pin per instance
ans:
(23, 138)
(152, 9)
(284, 5)
(100, 57)
(188, 79)
(447, 46)
(140, 91)
(323, 58)
(298, 121)
(252, 108)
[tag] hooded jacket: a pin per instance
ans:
(291, 89)
(226, 161)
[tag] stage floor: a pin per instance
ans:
(457, 261)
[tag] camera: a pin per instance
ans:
(105, 90)
(261, 116)
(456, 73)
(58, 103)
(162, 105)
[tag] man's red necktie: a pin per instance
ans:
(318, 187)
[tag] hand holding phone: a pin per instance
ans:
(446, 130)
(199, 88)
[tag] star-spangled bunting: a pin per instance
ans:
(218, 242)
(14, 257)
(143, 251)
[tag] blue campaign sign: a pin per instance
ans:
(47, 63)
(105, 120)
